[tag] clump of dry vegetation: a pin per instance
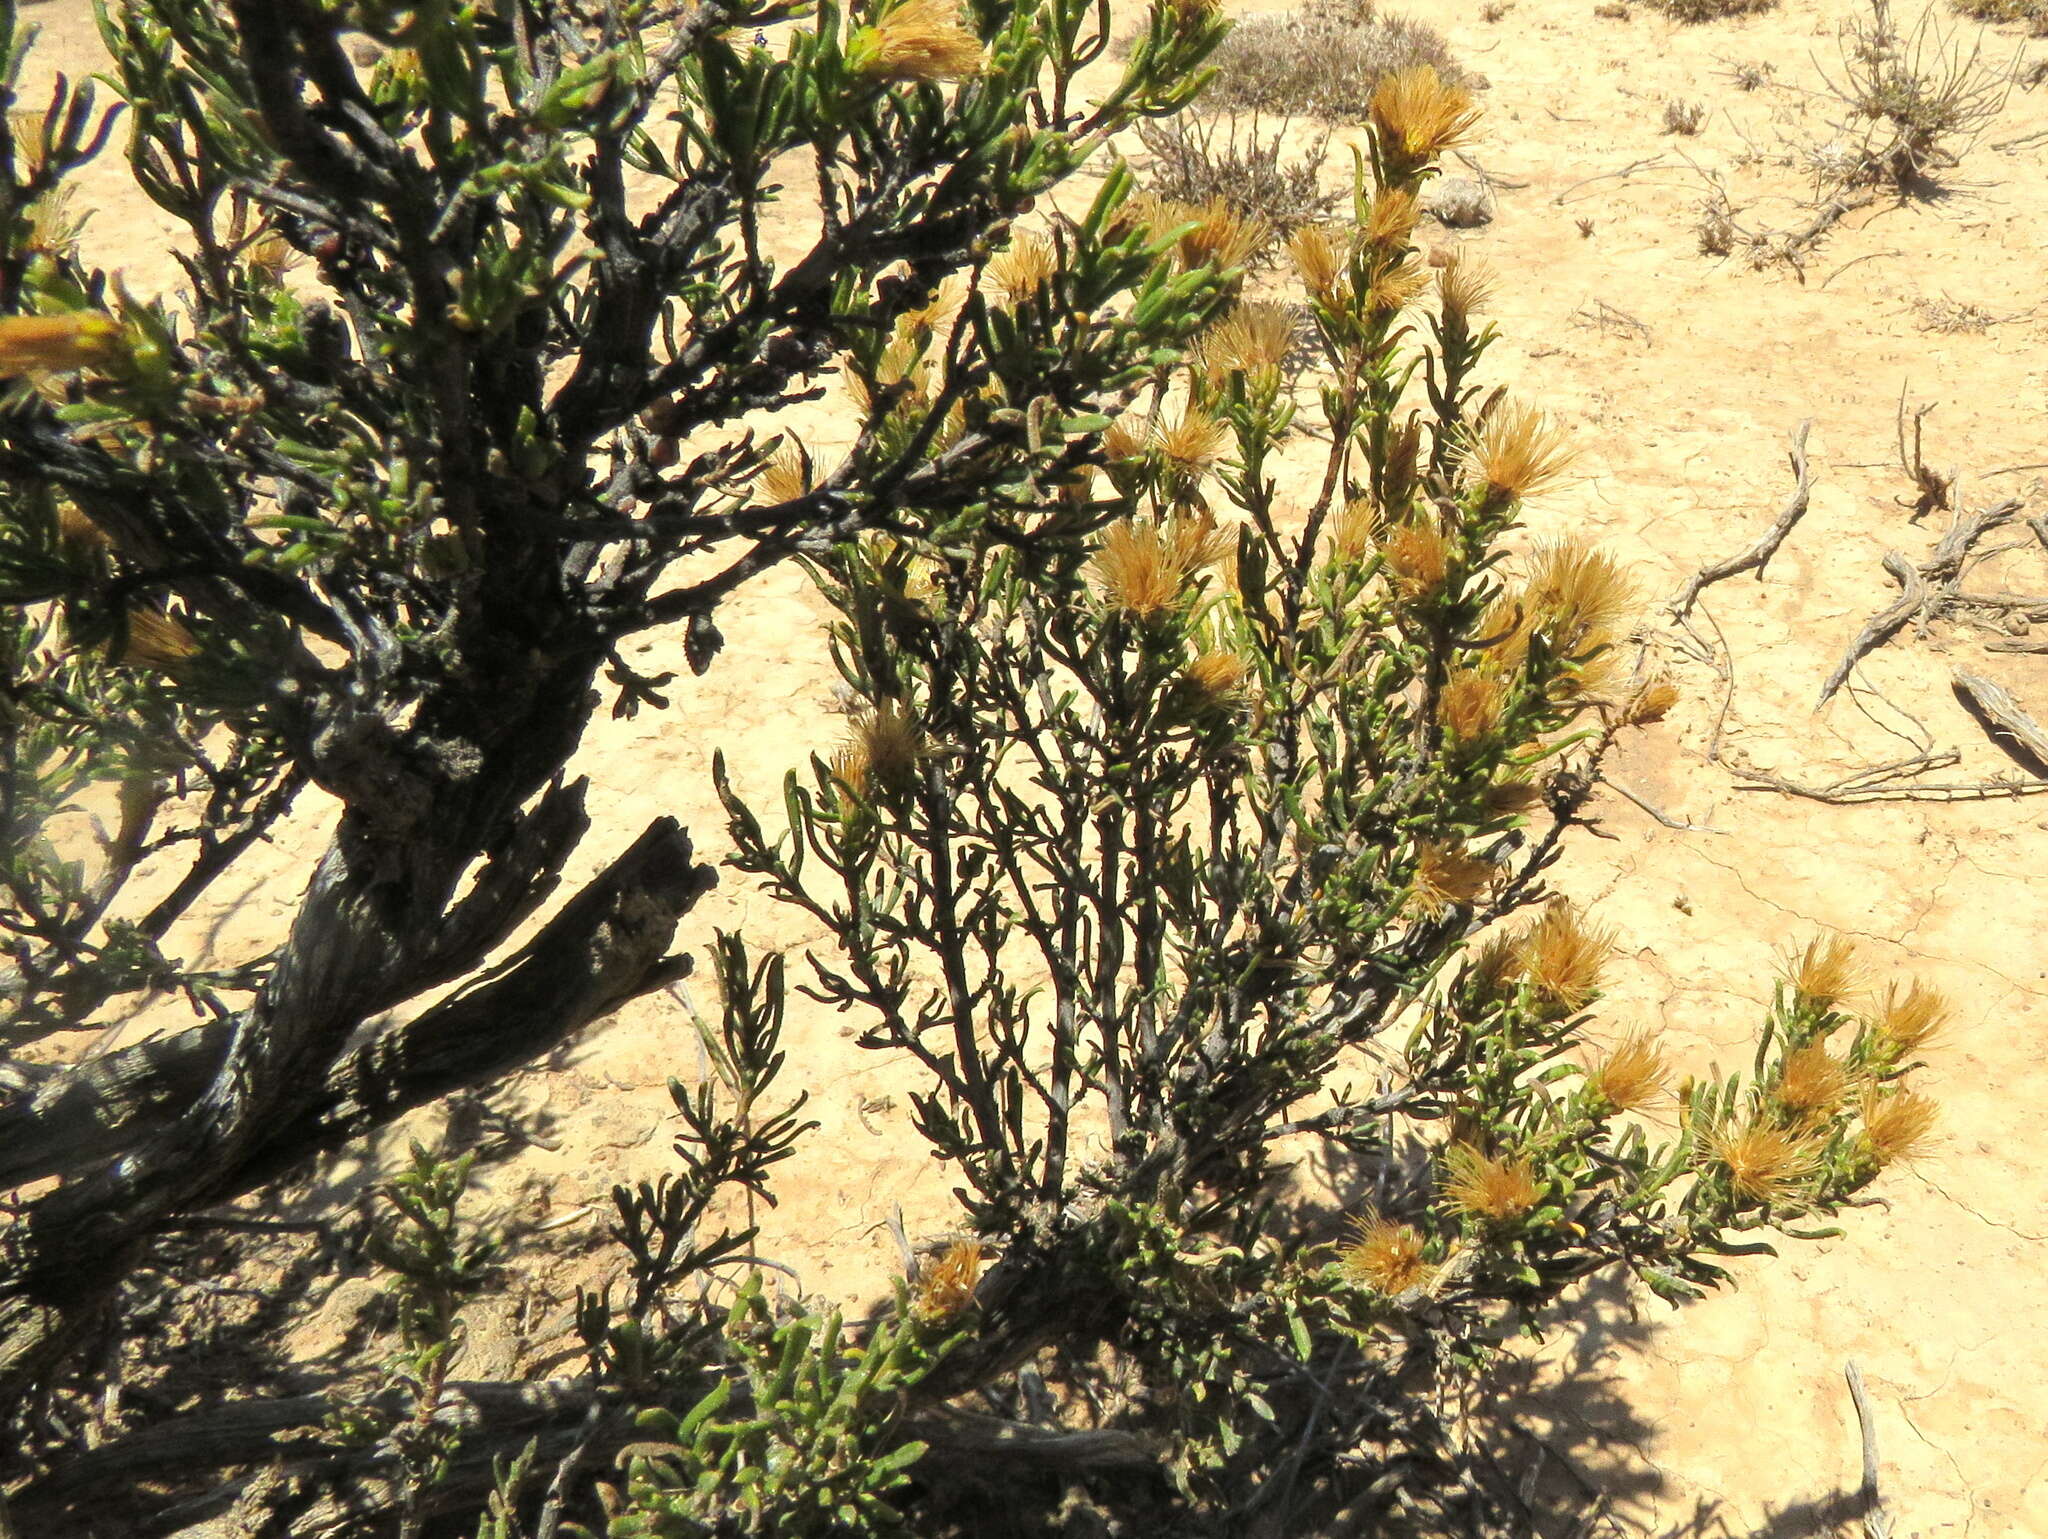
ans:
(1325, 59)
(2031, 14)
(1684, 117)
(1196, 161)
(1711, 10)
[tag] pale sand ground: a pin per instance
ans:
(1726, 1419)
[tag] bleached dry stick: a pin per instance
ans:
(1880, 627)
(1758, 556)
(1996, 705)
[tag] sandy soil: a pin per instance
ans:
(1682, 389)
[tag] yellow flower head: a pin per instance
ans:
(1518, 453)
(1385, 1256)
(1764, 1164)
(1447, 874)
(881, 753)
(1483, 1186)
(1896, 1127)
(1562, 957)
(1811, 1083)
(1417, 117)
(1319, 259)
(1632, 1077)
(1471, 704)
(945, 1285)
(1024, 267)
(1825, 973)
(920, 40)
(1911, 1018)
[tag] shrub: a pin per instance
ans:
(2031, 14)
(1325, 60)
(1684, 117)
(1255, 177)
(1916, 99)
(1175, 831)
(1711, 10)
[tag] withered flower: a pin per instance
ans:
(1447, 874)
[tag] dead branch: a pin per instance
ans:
(1607, 176)
(1896, 782)
(2028, 647)
(1934, 488)
(1877, 1524)
(1880, 627)
(1995, 705)
(1758, 556)
(1945, 562)
(1661, 816)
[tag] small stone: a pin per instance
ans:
(1459, 201)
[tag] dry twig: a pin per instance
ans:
(1994, 704)
(1758, 556)
(1884, 625)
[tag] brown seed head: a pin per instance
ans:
(1495, 968)
(945, 1284)
(1764, 1163)
(1811, 1083)
(1125, 438)
(786, 476)
(1391, 220)
(1318, 258)
(1651, 701)
(1418, 556)
(1464, 286)
(78, 534)
(1896, 1127)
(1912, 1018)
(1825, 973)
(1632, 1077)
(1471, 704)
(1518, 453)
(881, 753)
(59, 344)
(1217, 679)
(1024, 267)
(1563, 956)
(1446, 874)
(1482, 1186)
(1255, 337)
(155, 640)
(1512, 798)
(1417, 117)
(1385, 1256)
(920, 40)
